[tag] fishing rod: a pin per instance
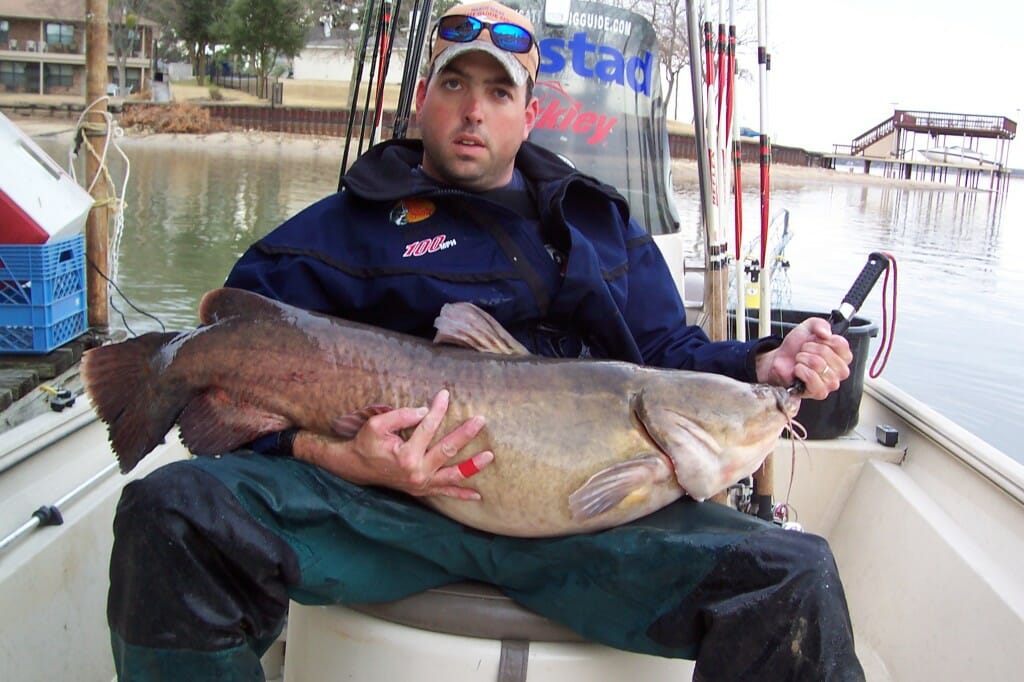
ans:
(722, 57)
(839, 319)
(390, 28)
(723, 95)
(732, 138)
(419, 20)
(378, 33)
(715, 276)
(693, 37)
(764, 478)
(354, 83)
(765, 161)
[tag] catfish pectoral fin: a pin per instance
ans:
(624, 484)
(348, 425)
(214, 423)
(694, 452)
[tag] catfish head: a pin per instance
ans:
(715, 430)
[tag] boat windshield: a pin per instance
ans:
(601, 105)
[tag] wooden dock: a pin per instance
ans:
(967, 176)
(33, 383)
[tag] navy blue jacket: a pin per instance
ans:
(394, 246)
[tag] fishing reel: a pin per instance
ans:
(740, 495)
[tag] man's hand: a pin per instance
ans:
(809, 352)
(379, 456)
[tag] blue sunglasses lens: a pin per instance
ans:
(511, 37)
(457, 29)
(463, 29)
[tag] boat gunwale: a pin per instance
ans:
(37, 434)
(983, 458)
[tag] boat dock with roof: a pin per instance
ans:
(959, 147)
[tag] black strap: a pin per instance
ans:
(511, 249)
(285, 445)
(515, 656)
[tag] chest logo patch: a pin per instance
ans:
(409, 211)
(429, 245)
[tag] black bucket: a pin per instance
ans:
(838, 413)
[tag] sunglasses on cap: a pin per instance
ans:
(459, 28)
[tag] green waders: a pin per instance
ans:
(207, 553)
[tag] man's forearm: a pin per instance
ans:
(332, 454)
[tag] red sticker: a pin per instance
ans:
(468, 468)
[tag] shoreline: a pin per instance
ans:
(684, 171)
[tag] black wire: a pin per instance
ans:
(127, 300)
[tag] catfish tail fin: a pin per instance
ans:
(125, 387)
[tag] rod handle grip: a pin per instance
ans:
(840, 318)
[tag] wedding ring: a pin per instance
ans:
(825, 371)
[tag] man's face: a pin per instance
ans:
(473, 119)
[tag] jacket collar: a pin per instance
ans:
(375, 174)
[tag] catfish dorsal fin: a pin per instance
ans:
(464, 324)
(220, 304)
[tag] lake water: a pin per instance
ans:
(194, 208)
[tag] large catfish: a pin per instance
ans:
(579, 445)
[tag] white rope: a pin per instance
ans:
(112, 132)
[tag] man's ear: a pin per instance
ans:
(421, 94)
(532, 109)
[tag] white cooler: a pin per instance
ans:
(39, 201)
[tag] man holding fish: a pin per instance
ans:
(208, 552)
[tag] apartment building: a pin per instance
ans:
(42, 48)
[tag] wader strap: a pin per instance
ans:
(515, 655)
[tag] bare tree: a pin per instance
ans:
(668, 17)
(125, 35)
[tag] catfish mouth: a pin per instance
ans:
(787, 400)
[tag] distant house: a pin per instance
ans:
(42, 48)
(325, 56)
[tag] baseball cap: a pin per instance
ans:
(519, 65)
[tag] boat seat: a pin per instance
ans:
(470, 609)
(464, 632)
(474, 609)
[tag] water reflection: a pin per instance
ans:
(193, 209)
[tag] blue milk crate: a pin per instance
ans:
(42, 295)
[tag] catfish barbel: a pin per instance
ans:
(579, 445)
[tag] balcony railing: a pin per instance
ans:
(40, 47)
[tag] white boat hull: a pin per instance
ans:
(53, 580)
(327, 643)
(956, 155)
